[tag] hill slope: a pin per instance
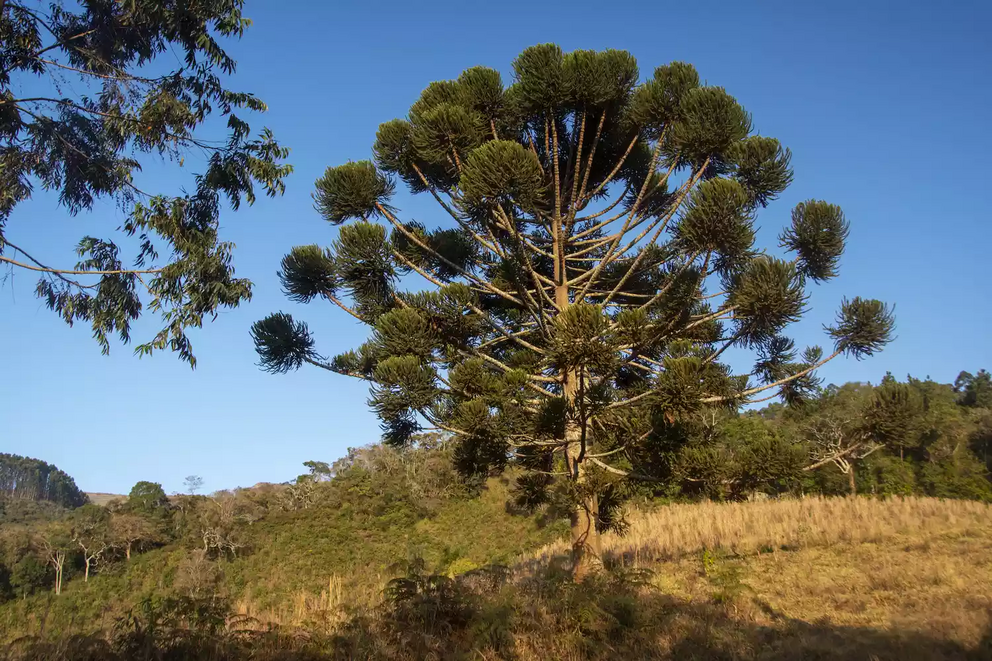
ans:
(907, 579)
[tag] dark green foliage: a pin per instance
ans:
(961, 475)
(762, 168)
(889, 476)
(597, 80)
(766, 462)
(482, 88)
(501, 173)
(769, 296)
(893, 416)
(28, 575)
(446, 253)
(351, 191)
(33, 479)
(541, 81)
(365, 272)
(658, 102)
(281, 343)
(447, 131)
(710, 123)
(818, 235)
(717, 220)
(88, 146)
(308, 272)
(582, 336)
(863, 327)
(147, 497)
(974, 391)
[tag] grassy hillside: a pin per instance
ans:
(291, 557)
(103, 498)
(818, 578)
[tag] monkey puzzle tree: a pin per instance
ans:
(84, 96)
(596, 260)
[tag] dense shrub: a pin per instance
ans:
(888, 476)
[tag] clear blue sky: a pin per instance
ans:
(885, 106)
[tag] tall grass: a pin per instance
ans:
(673, 531)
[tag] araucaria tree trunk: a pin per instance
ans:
(593, 259)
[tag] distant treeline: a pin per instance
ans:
(907, 437)
(33, 479)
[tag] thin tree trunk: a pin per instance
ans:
(586, 548)
(851, 482)
(86, 572)
(587, 555)
(127, 552)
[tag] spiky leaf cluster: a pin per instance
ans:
(818, 233)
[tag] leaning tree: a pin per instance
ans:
(90, 91)
(595, 261)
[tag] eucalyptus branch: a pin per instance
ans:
(46, 269)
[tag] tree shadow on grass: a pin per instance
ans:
(540, 617)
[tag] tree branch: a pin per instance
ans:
(751, 391)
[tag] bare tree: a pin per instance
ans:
(54, 544)
(193, 483)
(220, 522)
(840, 441)
(196, 575)
(129, 531)
(90, 531)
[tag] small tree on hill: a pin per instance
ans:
(596, 259)
(146, 497)
(90, 531)
(130, 531)
(87, 91)
(55, 544)
(193, 483)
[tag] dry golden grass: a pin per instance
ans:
(675, 530)
(915, 570)
(322, 609)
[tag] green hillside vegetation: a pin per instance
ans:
(267, 547)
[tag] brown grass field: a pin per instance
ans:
(915, 571)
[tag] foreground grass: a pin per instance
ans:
(828, 579)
